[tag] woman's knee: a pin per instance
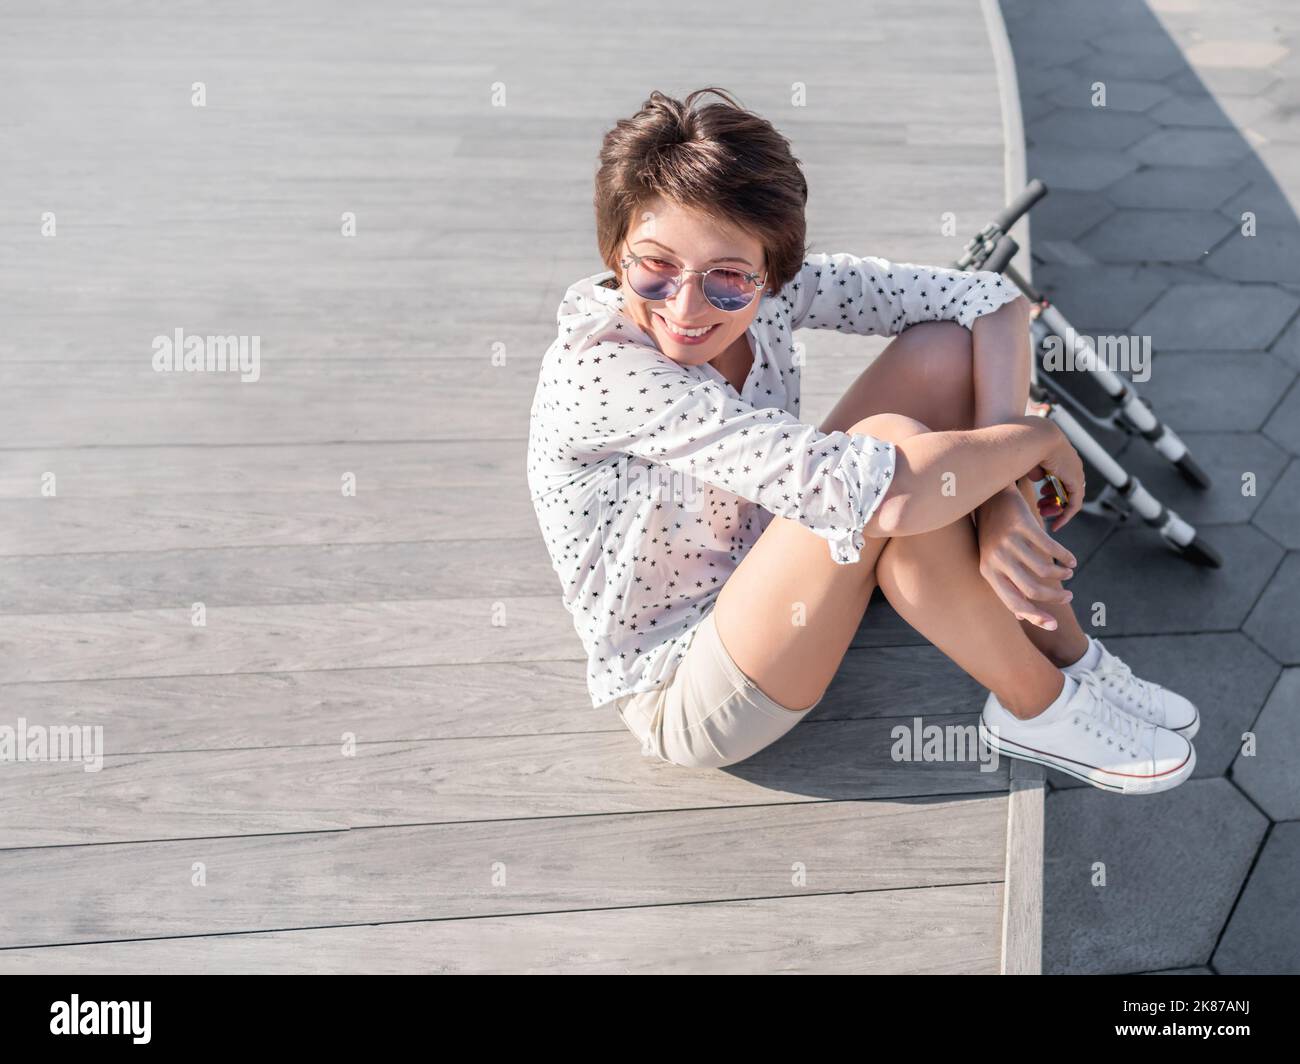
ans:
(940, 359)
(893, 427)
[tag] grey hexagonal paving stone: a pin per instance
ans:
(1254, 169)
(1077, 21)
(1284, 93)
(1196, 109)
(1052, 50)
(1274, 623)
(1190, 187)
(1264, 932)
(1036, 81)
(1156, 236)
(1272, 132)
(1148, 589)
(1226, 675)
(1062, 253)
(1152, 67)
(1287, 346)
(1289, 67)
(1283, 425)
(1246, 111)
(1138, 42)
(1235, 53)
(1269, 775)
(1109, 299)
(1096, 127)
(1222, 81)
(1274, 127)
(1173, 863)
(1226, 457)
(1121, 95)
(1271, 254)
(1225, 391)
(1222, 316)
(1074, 168)
(1279, 515)
(1032, 107)
(1190, 147)
(1065, 214)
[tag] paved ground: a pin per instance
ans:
(1141, 234)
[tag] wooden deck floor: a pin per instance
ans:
(377, 752)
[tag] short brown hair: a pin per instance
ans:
(721, 159)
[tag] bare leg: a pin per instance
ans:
(933, 581)
(927, 373)
(789, 612)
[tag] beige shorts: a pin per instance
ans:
(710, 713)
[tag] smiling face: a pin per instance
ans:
(673, 236)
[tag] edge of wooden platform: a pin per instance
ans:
(1022, 896)
(1013, 128)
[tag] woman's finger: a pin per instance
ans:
(1031, 586)
(1030, 552)
(1074, 486)
(1019, 605)
(1073, 507)
(1050, 548)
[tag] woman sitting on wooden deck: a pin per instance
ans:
(717, 553)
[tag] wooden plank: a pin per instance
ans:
(940, 930)
(291, 401)
(460, 701)
(331, 787)
(101, 472)
(247, 576)
(164, 642)
(277, 638)
(64, 527)
(496, 868)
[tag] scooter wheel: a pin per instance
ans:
(1198, 552)
(1192, 473)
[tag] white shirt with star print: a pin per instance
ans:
(651, 480)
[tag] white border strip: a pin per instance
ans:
(1013, 129)
(1022, 887)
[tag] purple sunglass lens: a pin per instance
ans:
(728, 290)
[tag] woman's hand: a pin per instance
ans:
(1062, 461)
(1019, 559)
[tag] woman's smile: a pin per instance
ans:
(682, 335)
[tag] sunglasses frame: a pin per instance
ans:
(753, 278)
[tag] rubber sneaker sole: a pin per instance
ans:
(1120, 783)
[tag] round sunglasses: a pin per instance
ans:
(725, 288)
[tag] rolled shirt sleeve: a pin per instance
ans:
(875, 297)
(627, 398)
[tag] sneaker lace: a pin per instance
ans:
(1109, 718)
(1116, 673)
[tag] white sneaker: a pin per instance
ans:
(1093, 740)
(1142, 698)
